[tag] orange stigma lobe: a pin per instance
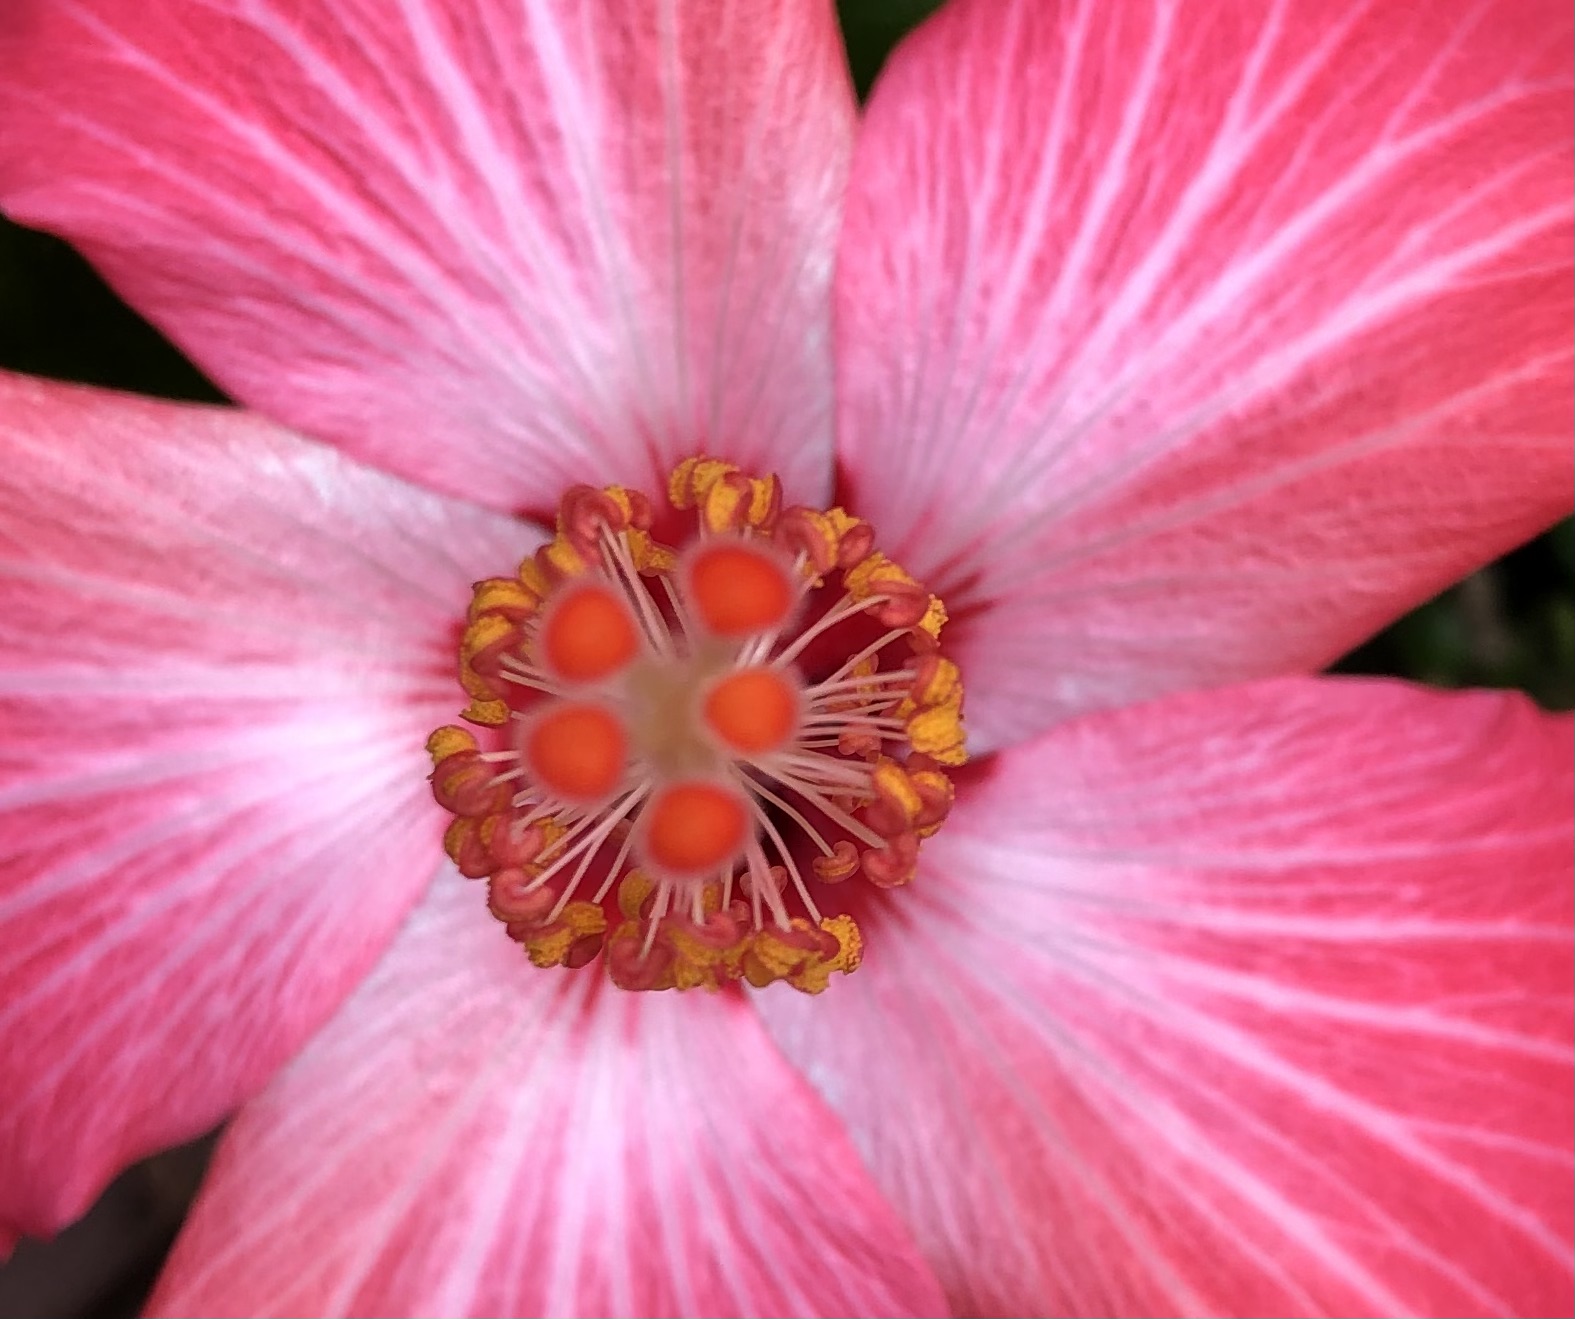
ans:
(588, 634)
(738, 590)
(753, 710)
(692, 829)
(576, 751)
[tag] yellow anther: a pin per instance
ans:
(459, 829)
(585, 918)
(863, 578)
(552, 833)
(809, 535)
(934, 619)
(549, 948)
(621, 500)
(850, 942)
(724, 506)
(634, 889)
(489, 632)
(558, 558)
(449, 741)
(534, 579)
(908, 604)
(770, 958)
(940, 683)
(493, 714)
(694, 478)
(648, 554)
(502, 595)
(698, 964)
(893, 786)
(937, 732)
(724, 497)
(816, 973)
(578, 920)
(682, 484)
(939, 793)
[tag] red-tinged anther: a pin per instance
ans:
(752, 710)
(893, 865)
(511, 845)
(464, 784)
(737, 589)
(842, 862)
(632, 965)
(692, 829)
(858, 539)
(588, 634)
(576, 751)
(856, 740)
(584, 511)
(513, 900)
(906, 604)
(467, 849)
(809, 532)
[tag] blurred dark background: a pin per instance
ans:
(1510, 625)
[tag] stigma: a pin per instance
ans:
(697, 722)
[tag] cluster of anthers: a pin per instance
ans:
(692, 747)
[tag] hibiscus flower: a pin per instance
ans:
(1175, 347)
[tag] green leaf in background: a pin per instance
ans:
(872, 27)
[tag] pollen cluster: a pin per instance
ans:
(685, 747)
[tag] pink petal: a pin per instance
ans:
(498, 248)
(1254, 1002)
(1187, 343)
(473, 1136)
(221, 649)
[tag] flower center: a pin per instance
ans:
(689, 747)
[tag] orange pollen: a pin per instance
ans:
(738, 590)
(588, 634)
(686, 752)
(753, 710)
(576, 751)
(690, 830)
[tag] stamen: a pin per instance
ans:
(651, 624)
(793, 814)
(869, 652)
(846, 608)
(675, 730)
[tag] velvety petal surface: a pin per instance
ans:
(1240, 1003)
(1191, 342)
(474, 1136)
(496, 247)
(221, 650)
